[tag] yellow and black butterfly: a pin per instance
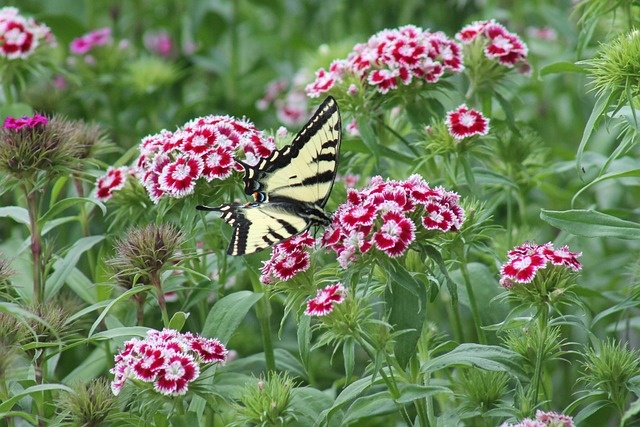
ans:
(290, 187)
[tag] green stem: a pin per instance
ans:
(263, 312)
(543, 319)
(389, 380)
(421, 405)
(482, 339)
(36, 244)
(162, 303)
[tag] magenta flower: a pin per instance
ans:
(24, 121)
(168, 359)
(113, 180)
(325, 299)
(465, 122)
(525, 260)
(159, 42)
(544, 419)
(499, 44)
(171, 163)
(391, 58)
(288, 258)
(20, 36)
(85, 43)
(387, 216)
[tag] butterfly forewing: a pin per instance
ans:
(305, 170)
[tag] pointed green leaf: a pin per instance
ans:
(227, 314)
(590, 223)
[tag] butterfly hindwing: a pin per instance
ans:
(290, 187)
(304, 170)
(260, 225)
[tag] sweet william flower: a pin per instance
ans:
(86, 42)
(387, 215)
(390, 59)
(113, 180)
(169, 359)
(20, 36)
(325, 300)
(525, 261)
(287, 259)
(465, 122)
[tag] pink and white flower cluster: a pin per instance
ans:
(498, 43)
(288, 258)
(170, 163)
(465, 122)
(384, 216)
(544, 419)
(525, 261)
(20, 36)
(325, 299)
(86, 42)
(391, 58)
(168, 359)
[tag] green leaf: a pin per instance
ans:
(488, 357)
(178, 320)
(124, 295)
(67, 203)
(367, 406)
(8, 404)
(16, 213)
(597, 112)
(227, 314)
(412, 392)
(368, 135)
(613, 175)
(308, 403)
(349, 356)
(562, 67)
(304, 340)
(91, 366)
(125, 331)
(590, 223)
(63, 267)
(406, 308)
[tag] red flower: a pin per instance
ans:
(325, 299)
(167, 358)
(209, 349)
(498, 43)
(85, 43)
(19, 36)
(113, 180)
(395, 235)
(379, 215)
(178, 372)
(288, 258)
(525, 260)
(178, 178)
(465, 122)
(391, 58)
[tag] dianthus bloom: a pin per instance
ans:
(168, 359)
(325, 299)
(85, 43)
(497, 43)
(525, 261)
(170, 163)
(24, 122)
(113, 180)
(288, 258)
(20, 36)
(465, 122)
(387, 214)
(544, 419)
(391, 58)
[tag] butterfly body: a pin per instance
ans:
(290, 187)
